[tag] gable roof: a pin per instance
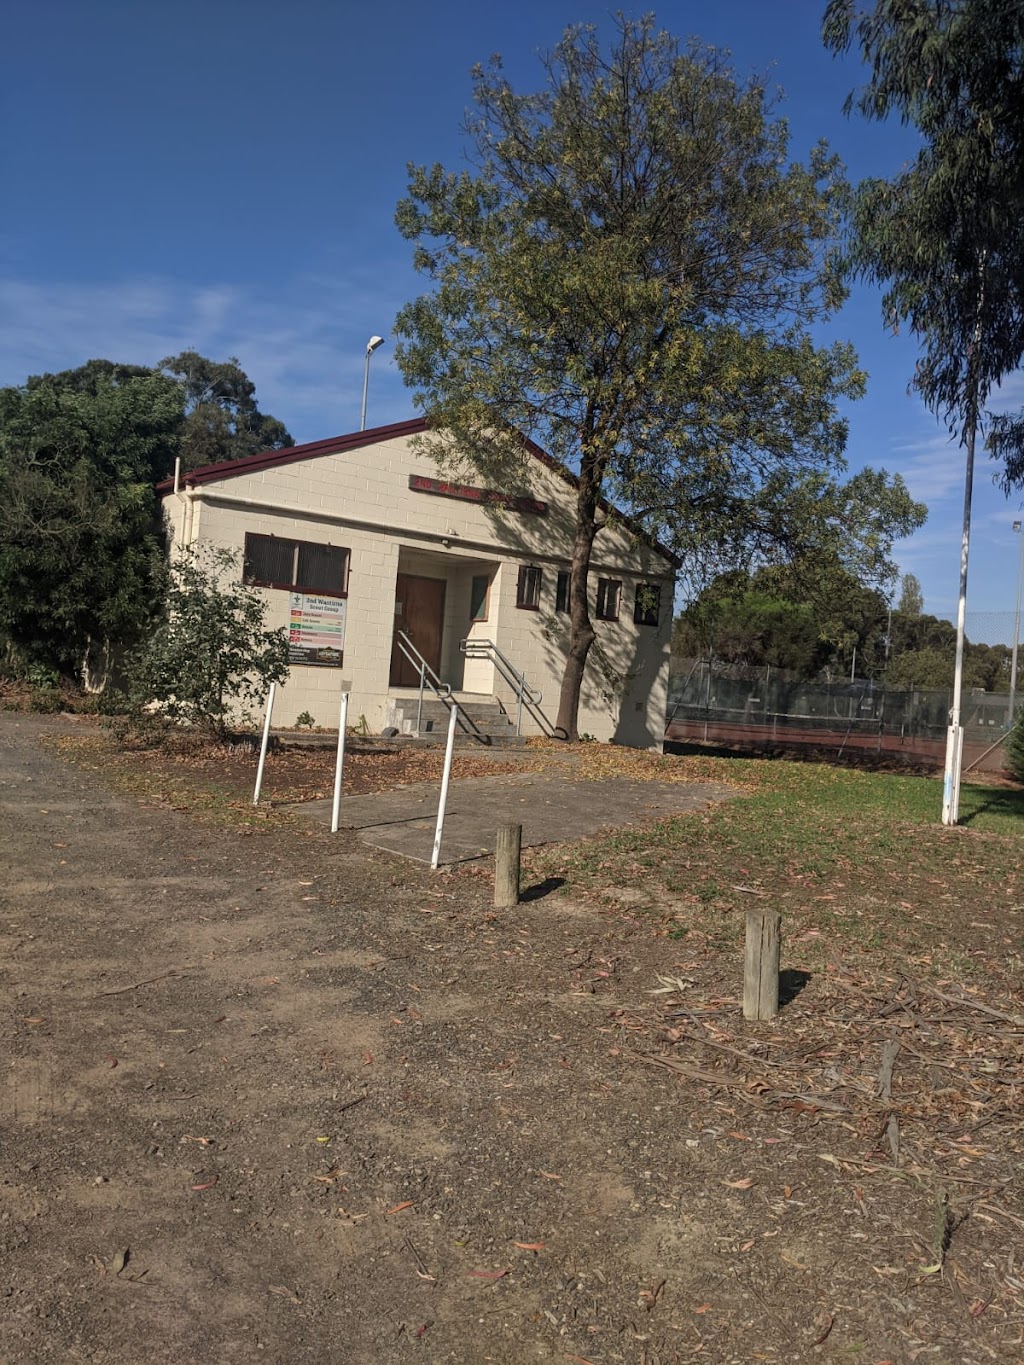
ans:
(354, 440)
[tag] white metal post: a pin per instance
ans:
(955, 734)
(263, 746)
(366, 384)
(1016, 628)
(340, 763)
(449, 747)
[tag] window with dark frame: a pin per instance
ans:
(478, 597)
(609, 590)
(528, 588)
(647, 610)
(563, 590)
(295, 565)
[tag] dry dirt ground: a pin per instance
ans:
(268, 1096)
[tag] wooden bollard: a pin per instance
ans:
(761, 964)
(506, 866)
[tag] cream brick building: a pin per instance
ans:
(376, 561)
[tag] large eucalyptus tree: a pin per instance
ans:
(946, 236)
(629, 273)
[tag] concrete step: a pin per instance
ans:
(481, 722)
(479, 710)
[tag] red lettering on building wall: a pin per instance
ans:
(465, 492)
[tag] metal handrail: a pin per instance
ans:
(487, 649)
(441, 690)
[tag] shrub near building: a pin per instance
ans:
(211, 658)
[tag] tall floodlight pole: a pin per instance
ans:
(371, 346)
(1016, 628)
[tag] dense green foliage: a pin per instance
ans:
(911, 601)
(210, 659)
(985, 666)
(222, 419)
(630, 275)
(752, 627)
(82, 550)
(1015, 749)
(811, 618)
(816, 621)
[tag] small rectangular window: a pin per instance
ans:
(478, 597)
(563, 591)
(296, 565)
(528, 588)
(648, 604)
(609, 591)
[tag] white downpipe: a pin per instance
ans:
(188, 518)
(186, 495)
(263, 746)
(449, 748)
(339, 765)
(181, 496)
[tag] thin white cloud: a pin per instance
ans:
(1009, 396)
(933, 467)
(303, 344)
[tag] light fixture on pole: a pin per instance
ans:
(1016, 627)
(371, 346)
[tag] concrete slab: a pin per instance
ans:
(552, 807)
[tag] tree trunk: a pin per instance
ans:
(581, 631)
(95, 667)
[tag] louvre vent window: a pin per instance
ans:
(296, 565)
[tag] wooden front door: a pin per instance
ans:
(419, 612)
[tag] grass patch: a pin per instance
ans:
(858, 863)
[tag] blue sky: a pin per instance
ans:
(223, 175)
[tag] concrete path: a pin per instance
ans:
(553, 807)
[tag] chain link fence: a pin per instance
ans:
(762, 709)
(989, 627)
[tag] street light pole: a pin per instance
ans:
(1016, 627)
(371, 346)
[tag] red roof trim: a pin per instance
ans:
(338, 445)
(270, 459)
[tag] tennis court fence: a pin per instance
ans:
(764, 710)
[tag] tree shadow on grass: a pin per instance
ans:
(1004, 801)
